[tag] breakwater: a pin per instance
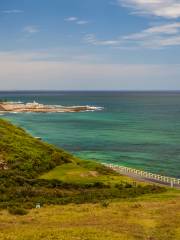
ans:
(152, 177)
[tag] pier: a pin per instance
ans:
(151, 177)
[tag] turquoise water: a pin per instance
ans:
(136, 129)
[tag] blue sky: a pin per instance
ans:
(90, 44)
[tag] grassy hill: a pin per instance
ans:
(25, 155)
(112, 206)
(32, 171)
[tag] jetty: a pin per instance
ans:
(146, 176)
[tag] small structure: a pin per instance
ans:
(38, 205)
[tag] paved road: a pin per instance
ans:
(144, 179)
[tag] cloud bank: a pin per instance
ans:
(19, 71)
(160, 8)
(159, 36)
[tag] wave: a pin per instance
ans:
(16, 107)
(16, 102)
(93, 108)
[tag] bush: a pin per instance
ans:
(17, 211)
(105, 204)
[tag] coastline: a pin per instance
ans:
(20, 107)
(140, 175)
(108, 206)
(127, 137)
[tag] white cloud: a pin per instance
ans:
(82, 22)
(31, 29)
(160, 8)
(169, 29)
(91, 39)
(12, 11)
(156, 36)
(76, 20)
(71, 19)
(159, 36)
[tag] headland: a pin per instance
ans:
(19, 107)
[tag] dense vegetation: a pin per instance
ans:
(29, 168)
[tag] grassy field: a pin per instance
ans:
(146, 218)
(83, 172)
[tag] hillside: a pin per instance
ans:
(32, 171)
(112, 206)
(19, 152)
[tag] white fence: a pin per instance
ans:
(145, 175)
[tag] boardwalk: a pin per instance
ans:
(169, 181)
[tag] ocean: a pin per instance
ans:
(134, 129)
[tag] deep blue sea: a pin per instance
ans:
(136, 129)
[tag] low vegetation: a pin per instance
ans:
(120, 220)
(32, 171)
(112, 206)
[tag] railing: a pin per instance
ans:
(146, 175)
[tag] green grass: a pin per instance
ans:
(27, 155)
(112, 206)
(39, 172)
(70, 172)
(83, 173)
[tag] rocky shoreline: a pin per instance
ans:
(41, 108)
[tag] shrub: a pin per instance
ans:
(105, 203)
(17, 211)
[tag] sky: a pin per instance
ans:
(89, 44)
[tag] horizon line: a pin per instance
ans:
(84, 90)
